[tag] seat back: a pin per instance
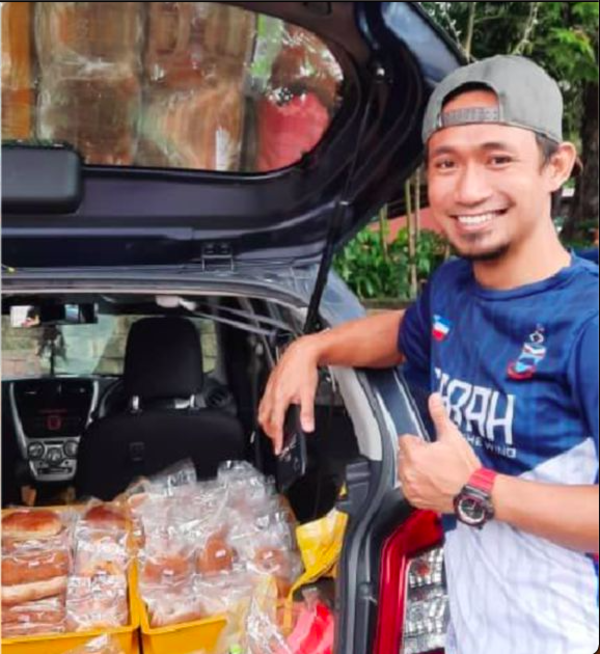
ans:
(163, 368)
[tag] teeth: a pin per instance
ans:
(476, 220)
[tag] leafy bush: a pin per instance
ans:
(374, 270)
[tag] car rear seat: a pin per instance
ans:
(163, 363)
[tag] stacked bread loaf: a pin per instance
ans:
(36, 563)
(97, 590)
(64, 571)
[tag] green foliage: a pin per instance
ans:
(560, 36)
(376, 271)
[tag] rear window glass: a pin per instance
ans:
(187, 85)
(96, 349)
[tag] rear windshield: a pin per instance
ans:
(188, 85)
(32, 351)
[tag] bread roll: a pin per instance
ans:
(277, 563)
(167, 567)
(31, 525)
(23, 593)
(104, 516)
(35, 565)
(167, 613)
(215, 557)
(44, 612)
(97, 603)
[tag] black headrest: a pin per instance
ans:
(163, 359)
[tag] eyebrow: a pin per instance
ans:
(492, 145)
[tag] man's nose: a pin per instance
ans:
(473, 187)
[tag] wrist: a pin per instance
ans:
(314, 348)
(474, 504)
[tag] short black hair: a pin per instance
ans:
(548, 148)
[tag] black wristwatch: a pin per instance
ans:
(473, 505)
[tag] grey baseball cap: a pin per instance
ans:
(527, 97)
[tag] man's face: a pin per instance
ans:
(487, 187)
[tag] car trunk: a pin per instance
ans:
(251, 325)
(86, 213)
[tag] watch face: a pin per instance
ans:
(472, 510)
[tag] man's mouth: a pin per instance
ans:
(473, 221)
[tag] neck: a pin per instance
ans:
(535, 261)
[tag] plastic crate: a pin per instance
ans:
(128, 637)
(187, 638)
(61, 643)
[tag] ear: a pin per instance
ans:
(560, 167)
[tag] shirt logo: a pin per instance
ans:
(533, 353)
(441, 328)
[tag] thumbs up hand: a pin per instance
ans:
(432, 474)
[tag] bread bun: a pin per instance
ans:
(28, 567)
(169, 613)
(44, 612)
(166, 567)
(215, 557)
(23, 593)
(104, 516)
(277, 563)
(31, 525)
(97, 603)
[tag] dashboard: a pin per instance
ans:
(49, 415)
(49, 418)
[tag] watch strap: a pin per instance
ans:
(483, 479)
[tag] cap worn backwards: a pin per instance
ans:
(527, 98)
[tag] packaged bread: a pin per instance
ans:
(215, 555)
(32, 524)
(167, 566)
(30, 564)
(98, 552)
(97, 603)
(31, 592)
(106, 517)
(33, 618)
(172, 605)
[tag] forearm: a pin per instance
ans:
(565, 515)
(367, 343)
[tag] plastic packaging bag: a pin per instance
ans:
(97, 603)
(101, 541)
(173, 605)
(33, 618)
(164, 483)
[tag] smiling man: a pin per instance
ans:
(508, 336)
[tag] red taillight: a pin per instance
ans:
(413, 604)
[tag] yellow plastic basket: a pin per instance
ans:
(61, 643)
(128, 637)
(187, 638)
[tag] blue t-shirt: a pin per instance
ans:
(518, 371)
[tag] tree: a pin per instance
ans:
(563, 38)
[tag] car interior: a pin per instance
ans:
(89, 407)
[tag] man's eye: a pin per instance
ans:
(501, 160)
(444, 164)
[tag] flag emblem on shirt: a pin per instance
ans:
(441, 328)
(533, 353)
